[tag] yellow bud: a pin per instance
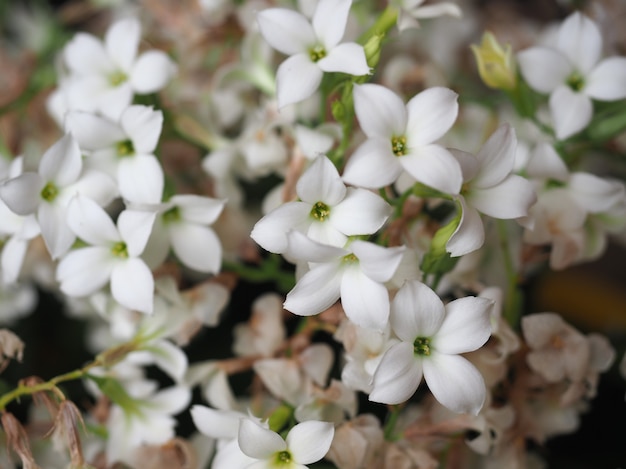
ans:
(496, 64)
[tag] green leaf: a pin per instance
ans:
(114, 390)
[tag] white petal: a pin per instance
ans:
(220, 424)
(593, 193)
(121, 42)
(377, 262)
(84, 271)
(466, 327)
(12, 258)
(361, 212)
(365, 302)
(258, 442)
(92, 132)
(198, 247)
(580, 40)
(348, 57)
(169, 358)
(512, 198)
(321, 182)
(309, 441)
(571, 112)
(381, 112)
(113, 101)
(61, 163)
(544, 69)
(302, 247)
(85, 55)
(171, 400)
(143, 126)
(90, 222)
(96, 185)
(198, 209)
(56, 233)
(469, 235)
(434, 166)
(468, 163)
(455, 383)
(496, 157)
(22, 194)
(316, 291)
(545, 163)
(372, 165)
(151, 72)
(286, 31)
(132, 285)
(416, 311)
(607, 81)
(270, 232)
(140, 179)
(431, 114)
(398, 375)
(135, 227)
(297, 78)
(329, 22)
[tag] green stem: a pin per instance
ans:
(267, 271)
(510, 309)
(383, 24)
(390, 425)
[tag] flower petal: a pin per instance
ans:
(365, 302)
(198, 209)
(321, 182)
(348, 57)
(309, 441)
(219, 424)
(329, 22)
(140, 179)
(171, 400)
(132, 285)
(84, 271)
(571, 112)
(143, 126)
(22, 194)
(512, 198)
(466, 327)
(91, 131)
(285, 30)
(361, 212)
(431, 114)
(316, 291)
(151, 72)
(85, 55)
(258, 442)
(135, 227)
(607, 81)
(121, 42)
(377, 262)
(434, 166)
(372, 165)
(545, 163)
(270, 232)
(381, 112)
(416, 311)
(304, 248)
(469, 235)
(455, 383)
(398, 375)
(198, 247)
(62, 162)
(169, 358)
(593, 193)
(90, 222)
(580, 40)
(496, 157)
(544, 69)
(56, 233)
(297, 78)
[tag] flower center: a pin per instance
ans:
(49, 192)
(320, 211)
(119, 250)
(398, 145)
(117, 78)
(421, 346)
(349, 259)
(576, 81)
(172, 215)
(317, 53)
(283, 458)
(125, 148)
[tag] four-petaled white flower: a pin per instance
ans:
(432, 338)
(313, 47)
(306, 443)
(113, 255)
(401, 138)
(104, 76)
(327, 211)
(573, 74)
(490, 188)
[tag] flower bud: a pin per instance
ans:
(372, 49)
(496, 64)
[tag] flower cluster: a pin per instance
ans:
(390, 212)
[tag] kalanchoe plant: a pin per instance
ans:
(286, 247)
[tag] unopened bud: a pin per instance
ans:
(496, 64)
(372, 48)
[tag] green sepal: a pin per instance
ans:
(280, 417)
(114, 390)
(438, 260)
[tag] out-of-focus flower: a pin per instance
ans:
(496, 64)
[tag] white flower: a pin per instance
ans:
(125, 151)
(401, 138)
(356, 273)
(104, 76)
(573, 74)
(432, 337)
(327, 211)
(112, 257)
(305, 443)
(490, 188)
(313, 47)
(48, 191)
(413, 10)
